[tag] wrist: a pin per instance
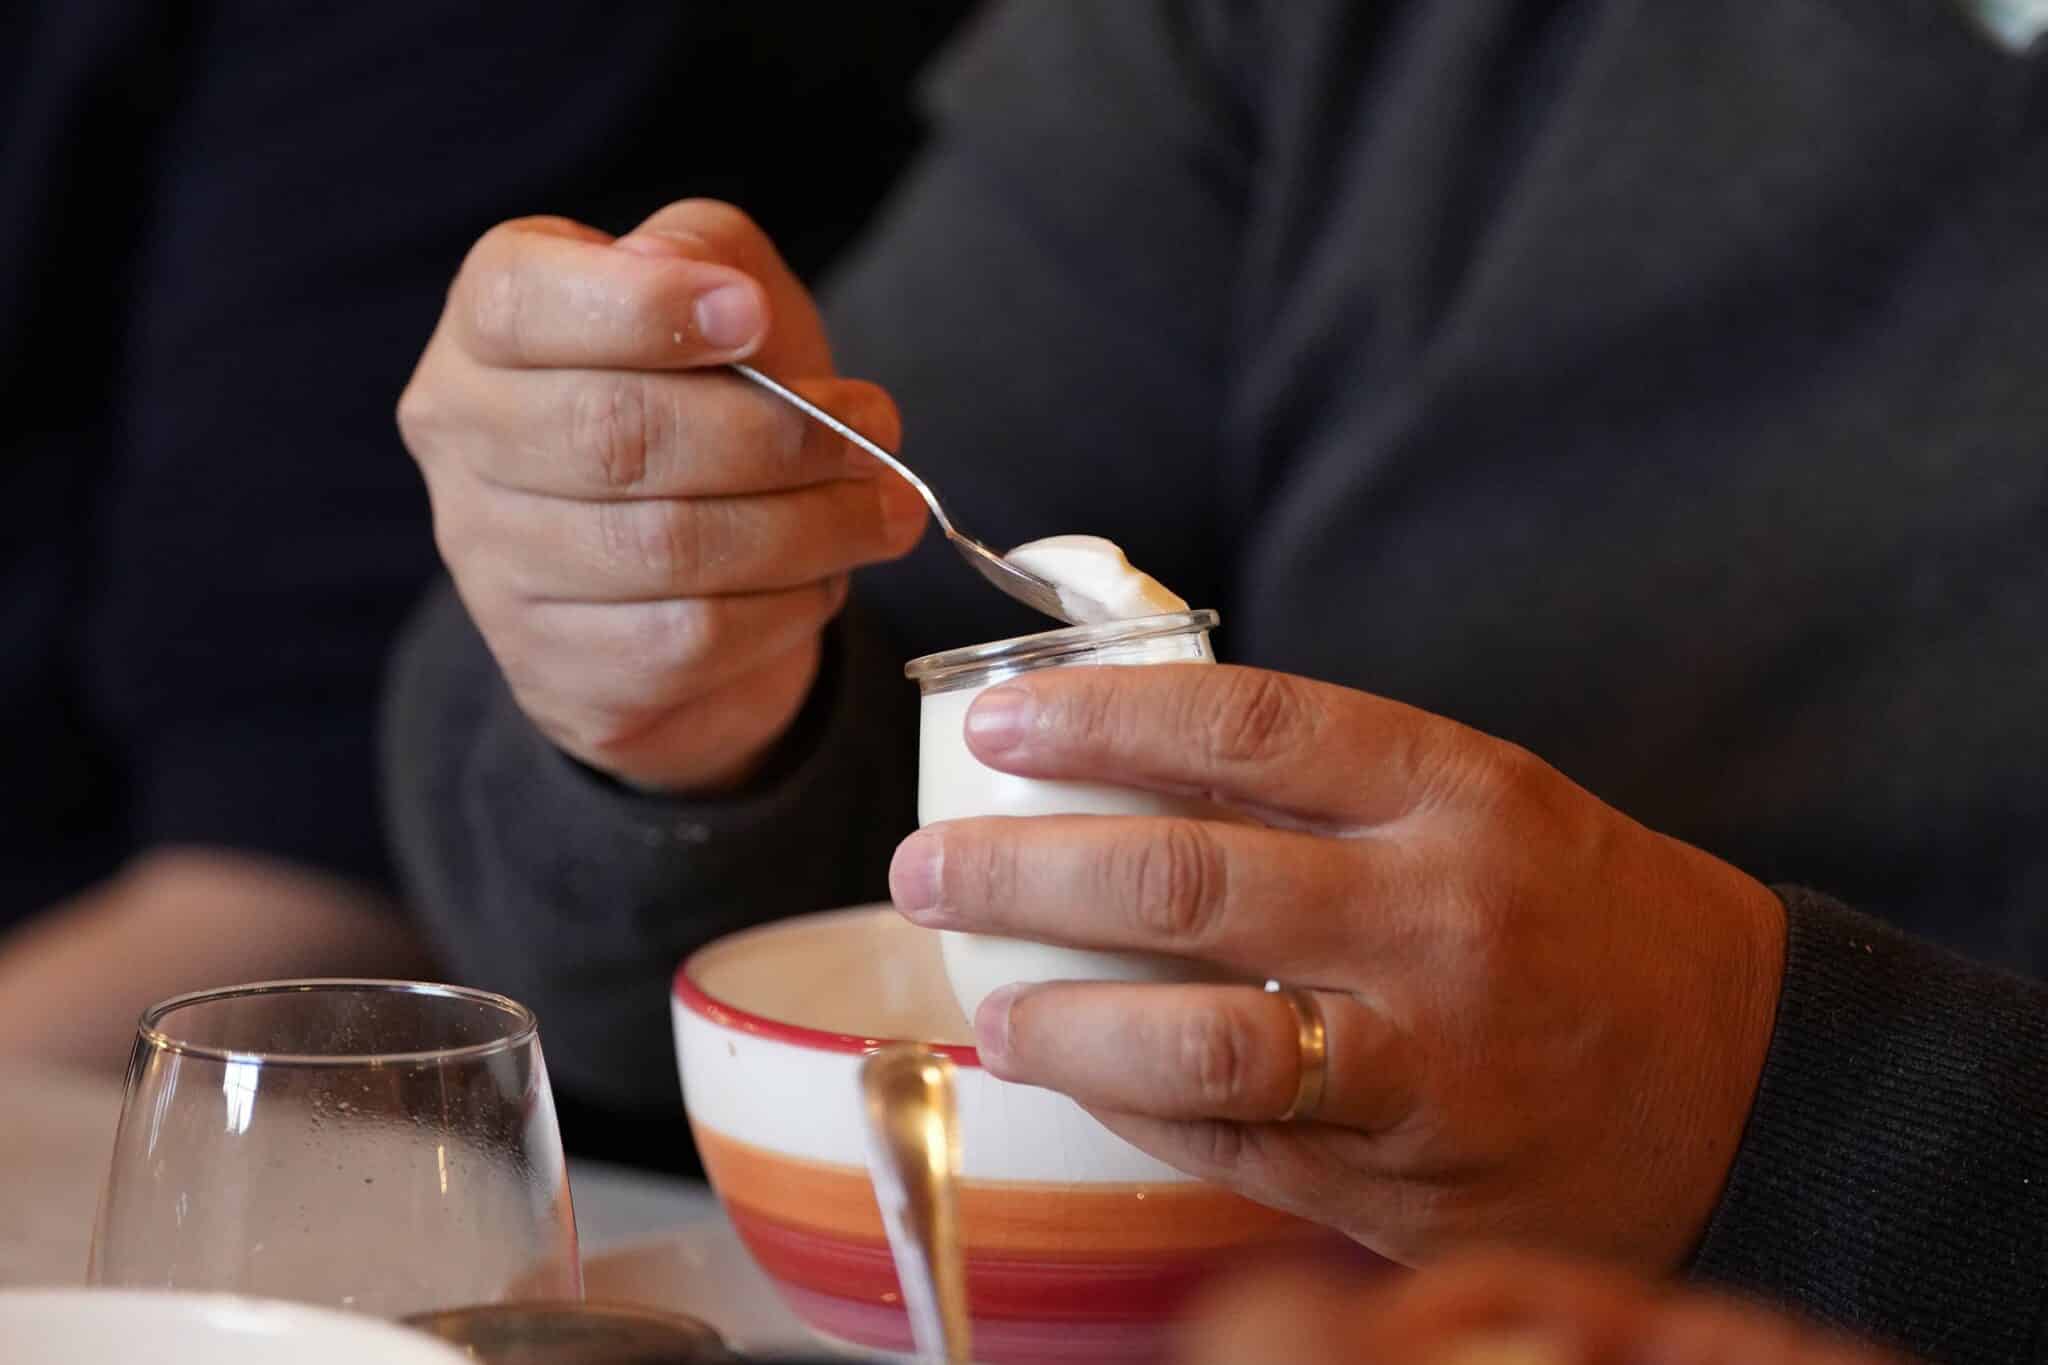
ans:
(785, 747)
(715, 746)
(1737, 1025)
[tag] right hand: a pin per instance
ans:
(650, 546)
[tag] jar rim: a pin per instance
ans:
(1053, 645)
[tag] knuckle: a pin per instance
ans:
(1214, 1055)
(415, 418)
(1489, 933)
(1087, 714)
(876, 416)
(1178, 881)
(980, 872)
(1218, 1146)
(613, 428)
(1253, 715)
(1489, 775)
(1517, 773)
(652, 544)
(772, 435)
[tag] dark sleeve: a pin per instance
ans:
(1894, 1175)
(542, 879)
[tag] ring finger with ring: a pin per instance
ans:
(1228, 1052)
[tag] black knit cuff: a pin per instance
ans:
(1893, 1178)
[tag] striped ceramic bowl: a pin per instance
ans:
(1080, 1247)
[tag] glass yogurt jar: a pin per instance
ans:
(953, 784)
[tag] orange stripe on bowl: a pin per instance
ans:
(1108, 1222)
(1134, 1289)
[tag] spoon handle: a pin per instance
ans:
(819, 415)
(913, 1151)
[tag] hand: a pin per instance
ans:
(1497, 1311)
(1545, 1022)
(75, 977)
(650, 546)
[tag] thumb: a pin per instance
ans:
(708, 230)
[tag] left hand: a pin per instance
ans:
(1498, 1310)
(1545, 1022)
(74, 977)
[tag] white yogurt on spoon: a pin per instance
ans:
(1096, 581)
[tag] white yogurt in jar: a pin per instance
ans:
(954, 784)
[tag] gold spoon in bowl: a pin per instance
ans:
(912, 1136)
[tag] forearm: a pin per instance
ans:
(1894, 1176)
(74, 979)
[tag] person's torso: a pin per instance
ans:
(1661, 387)
(1665, 388)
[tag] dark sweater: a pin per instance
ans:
(1661, 386)
(225, 229)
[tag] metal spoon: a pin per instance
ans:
(913, 1151)
(1027, 587)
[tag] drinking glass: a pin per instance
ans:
(385, 1146)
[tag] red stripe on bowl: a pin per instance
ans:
(695, 1000)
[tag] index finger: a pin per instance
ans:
(1295, 752)
(543, 292)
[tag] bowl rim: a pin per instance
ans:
(695, 999)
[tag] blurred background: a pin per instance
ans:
(226, 230)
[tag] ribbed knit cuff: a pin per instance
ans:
(1893, 1178)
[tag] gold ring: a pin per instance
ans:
(1313, 1040)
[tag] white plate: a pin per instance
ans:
(125, 1326)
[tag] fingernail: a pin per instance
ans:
(1000, 719)
(914, 875)
(728, 317)
(992, 1027)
